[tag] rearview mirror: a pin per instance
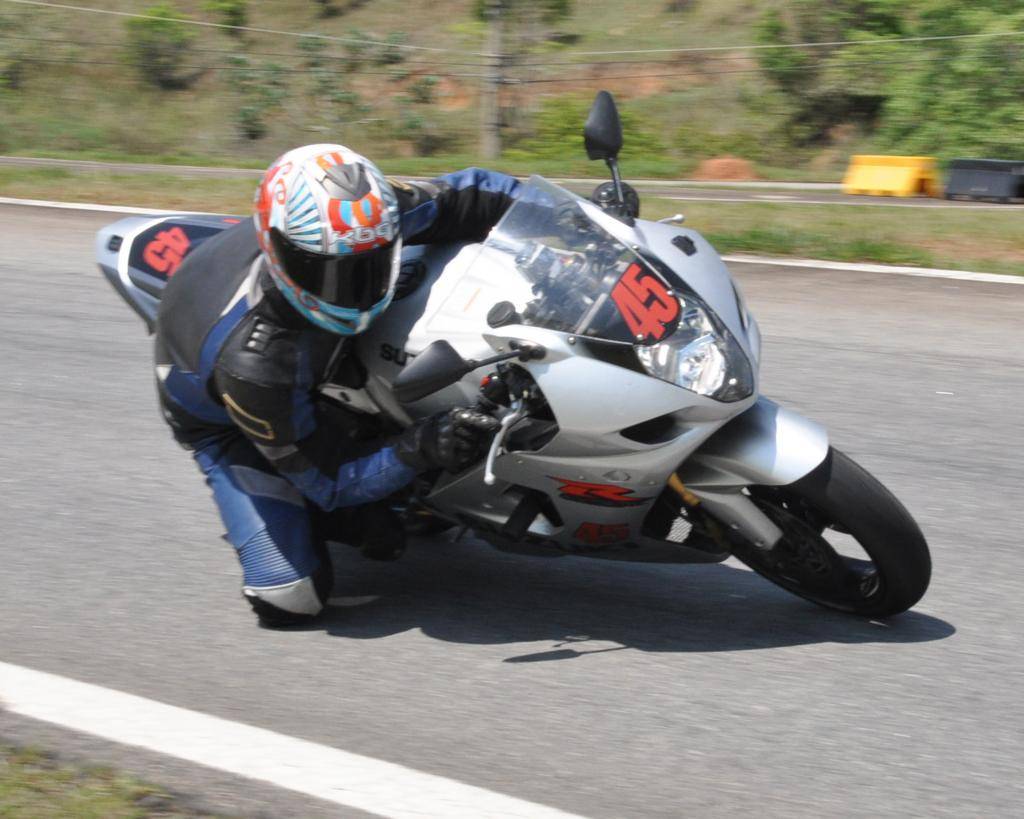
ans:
(435, 368)
(602, 134)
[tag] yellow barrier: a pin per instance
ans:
(892, 176)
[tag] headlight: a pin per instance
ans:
(701, 356)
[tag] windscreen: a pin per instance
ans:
(582, 279)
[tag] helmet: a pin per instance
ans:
(329, 227)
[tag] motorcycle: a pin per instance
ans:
(622, 362)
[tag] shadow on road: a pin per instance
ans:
(470, 593)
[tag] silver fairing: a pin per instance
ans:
(594, 402)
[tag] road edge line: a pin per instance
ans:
(852, 267)
(866, 267)
(323, 772)
(90, 206)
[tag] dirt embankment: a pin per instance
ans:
(725, 169)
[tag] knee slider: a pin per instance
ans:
(292, 603)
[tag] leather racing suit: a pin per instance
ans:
(238, 372)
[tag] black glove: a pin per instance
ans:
(450, 441)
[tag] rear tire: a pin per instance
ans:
(841, 497)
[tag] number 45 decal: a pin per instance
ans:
(166, 251)
(647, 306)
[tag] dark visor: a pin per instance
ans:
(356, 280)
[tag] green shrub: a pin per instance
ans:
(259, 90)
(422, 90)
(251, 121)
(12, 72)
(694, 143)
(348, 102)
(312, 49)
(557, 132)
(231, 13)
(425, 136)
(356, 52)
(344, 115)
(12, 66)
(327, 8)
(550, 10)
(158, 48)
(391, 54)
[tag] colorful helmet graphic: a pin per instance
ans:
(329, 227)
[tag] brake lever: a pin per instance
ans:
(498, 444)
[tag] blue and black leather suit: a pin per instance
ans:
(238, 372)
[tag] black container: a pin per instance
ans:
(997, 179)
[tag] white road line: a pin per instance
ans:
(926, 272)
(932, 204)
(855, 267)
(45, 203)
(344, 778)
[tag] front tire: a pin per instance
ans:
(841, 498)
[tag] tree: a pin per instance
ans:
(949, 96)
(967, 97)
(828, 85)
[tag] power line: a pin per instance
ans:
(817, 64)
(223, 67)
(234, 51)
(250, 29)
(687, 50)
(805, 67)
(764, 46)
(583, 63)
(511, 62)
(508, 81)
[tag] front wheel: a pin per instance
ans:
(847, 544)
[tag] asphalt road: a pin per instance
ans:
(605, 690)
(684, 190)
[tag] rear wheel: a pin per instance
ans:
(847, 544)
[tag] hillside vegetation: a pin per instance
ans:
(406, 82)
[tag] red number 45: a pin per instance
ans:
(165, 252)
(645, 303)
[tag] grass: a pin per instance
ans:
(100, 108)
(572, 165)
(156, 158)
(958, 239)
(982, 240)
(34, 785)
(161, 191)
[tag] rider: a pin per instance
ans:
(259, 316)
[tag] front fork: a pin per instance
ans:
(767, 445)
(718, 511)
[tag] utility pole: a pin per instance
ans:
(490, 111)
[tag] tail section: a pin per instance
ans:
(139, 254)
